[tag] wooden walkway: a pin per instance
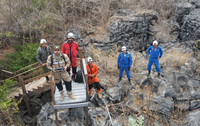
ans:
(79, 90)
(30, 87)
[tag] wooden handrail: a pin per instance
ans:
(31, 74)
(5, 71)
(27, 67)
(25, 72)
(37, 77)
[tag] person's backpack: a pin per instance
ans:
(52, 59)
(79, 77)
(121, 56)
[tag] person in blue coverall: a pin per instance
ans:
(155, 52)
(124, 62)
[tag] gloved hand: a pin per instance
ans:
(118, 67)
(128, 68)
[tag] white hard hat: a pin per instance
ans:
(42, 41)
(155, 42)
(70, 35)
(89, 59)
(123, 48)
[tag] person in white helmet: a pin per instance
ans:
(155, 52)
(70, 47)
(42, 54)
(92, 71)
(124, 62)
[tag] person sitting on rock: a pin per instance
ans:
(58, 63)
(155, 52)
(92, 72)
(42, 54)
(70, 47)
(124, 62)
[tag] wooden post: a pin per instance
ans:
(81, 56)
(52, 87)
(52, 94)
(38, 68)
(21, 81)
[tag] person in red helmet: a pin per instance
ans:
(70, 47)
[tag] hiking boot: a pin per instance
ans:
(90, 94)
(73, 78)
(69, 93)
(119, 79)
(129, 81)
(149, 74)
(62, 95)
(99, 95)
(159, 75)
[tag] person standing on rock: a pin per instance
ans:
(58, 63)
(70, 47)
(124, 62)
(155, 52)
(42, 54)
(92, 72)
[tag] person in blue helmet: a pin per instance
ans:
(124, 62)
(155, 52)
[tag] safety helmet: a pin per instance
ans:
(89, 59)
(123, 48)
(42, 41)
(56, 47)
(70, 35)
(155, 42)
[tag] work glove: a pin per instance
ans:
(128, 68)
(118, 67)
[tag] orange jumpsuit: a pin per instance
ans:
(93, 70)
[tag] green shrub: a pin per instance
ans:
(6, 90)
(23, 56)
(138, 122)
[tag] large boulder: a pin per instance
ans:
(132, 29)
(182, 9)
(190, 30)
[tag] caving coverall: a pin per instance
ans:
(124, 61)
(154, 57)
(93, 70)
(58, 62)
(71, 51)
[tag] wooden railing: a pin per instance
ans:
(23, 77)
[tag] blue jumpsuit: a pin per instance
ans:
(124, 62)
(154, 57)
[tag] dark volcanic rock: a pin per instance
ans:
(193, 118)
(162, 105)
(190, 30)
(182, 9)
(132, 30)
(98, 117)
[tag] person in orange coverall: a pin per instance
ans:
(92, 72)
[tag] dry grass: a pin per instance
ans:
(163, 7)
(106, 62)
(5, 51)
(163, 30)
(174, 58)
